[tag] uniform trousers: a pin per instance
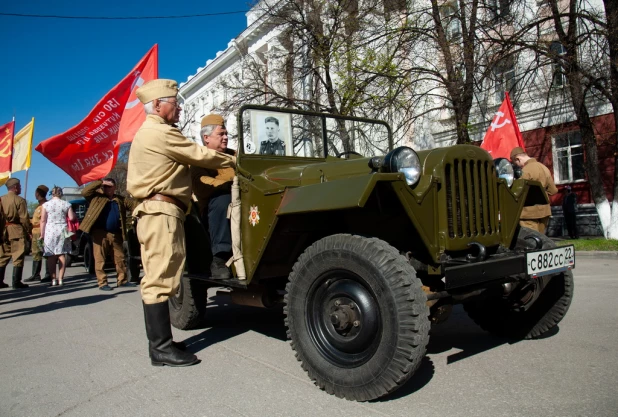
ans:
(540, 225)
(162, 242)
(218, 224)
(12, 248)
(102, 242)
(37, 251)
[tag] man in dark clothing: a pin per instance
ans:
(569, 209)
(105, 221)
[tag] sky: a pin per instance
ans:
(56, 70)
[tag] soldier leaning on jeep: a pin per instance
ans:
(106, 223)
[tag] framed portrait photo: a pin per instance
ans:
(271, 134)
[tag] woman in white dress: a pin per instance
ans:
(54, 233)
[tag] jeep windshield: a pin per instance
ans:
(268, 131)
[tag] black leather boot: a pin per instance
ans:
(17, 273)
(47, 277)
(2, 283)
(159, 331)
(36, 272)
(218, 269)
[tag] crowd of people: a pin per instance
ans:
(48, 233)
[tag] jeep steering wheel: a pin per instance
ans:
(346, 153)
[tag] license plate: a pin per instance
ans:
(550, 261)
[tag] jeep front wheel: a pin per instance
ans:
(356, 316)
(188, 306)
(546, 301)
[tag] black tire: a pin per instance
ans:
(89, 258)
(188, 307)
(498, 316)
(133, 264)
(382, 304)
(68, 260)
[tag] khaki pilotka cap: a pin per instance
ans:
(11, 182)
(155, 89)
(213, 120)
(515, 152)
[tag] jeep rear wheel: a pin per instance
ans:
(550, 297)
(356, 316)
(188, 306)
(89, 258)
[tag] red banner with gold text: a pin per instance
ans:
(7, 131)
(89, 150)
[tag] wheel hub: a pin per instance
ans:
(344, 319)
(344, 316)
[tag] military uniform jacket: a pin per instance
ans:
(96, 203)
(209, 182)
(272, 148)
(534, 170)
(16, 214)
(36, 219)
(159, 164)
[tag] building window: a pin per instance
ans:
(568, 157)
(557, 50)
(504, 79)
(450, 20)
(500, 9)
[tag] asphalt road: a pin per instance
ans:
(76, 351)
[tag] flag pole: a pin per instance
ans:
(26, 187)
(11, 169)
(28, 161)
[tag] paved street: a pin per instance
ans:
(76, 351)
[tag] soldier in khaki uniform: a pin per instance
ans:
(212, 188)
(534, 217)
(158, 176)
(16, 232)
(37, 251)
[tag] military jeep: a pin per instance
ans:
(366, 252)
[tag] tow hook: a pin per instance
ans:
(481, 256)
(538, 243)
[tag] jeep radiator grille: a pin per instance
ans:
(471, 198)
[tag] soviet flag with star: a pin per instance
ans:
(503, 133)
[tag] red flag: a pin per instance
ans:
(7, 132)
(503, 134)
(89, 150)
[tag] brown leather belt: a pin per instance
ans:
(168, 199)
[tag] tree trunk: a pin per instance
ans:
(611, 14)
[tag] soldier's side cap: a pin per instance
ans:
(516, 151)
(213, 120)
(44, 189)
(11, 182)
(155, 89)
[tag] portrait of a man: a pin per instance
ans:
(271, 131)
(273, 145)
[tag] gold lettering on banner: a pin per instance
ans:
(6, 150)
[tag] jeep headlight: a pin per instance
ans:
(404, 160)
(504, 169)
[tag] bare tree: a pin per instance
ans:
(344, 58)
(576, 40)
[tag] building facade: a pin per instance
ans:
(262, 65)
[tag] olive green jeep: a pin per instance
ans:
(366, 252)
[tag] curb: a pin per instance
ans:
(597, 254)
